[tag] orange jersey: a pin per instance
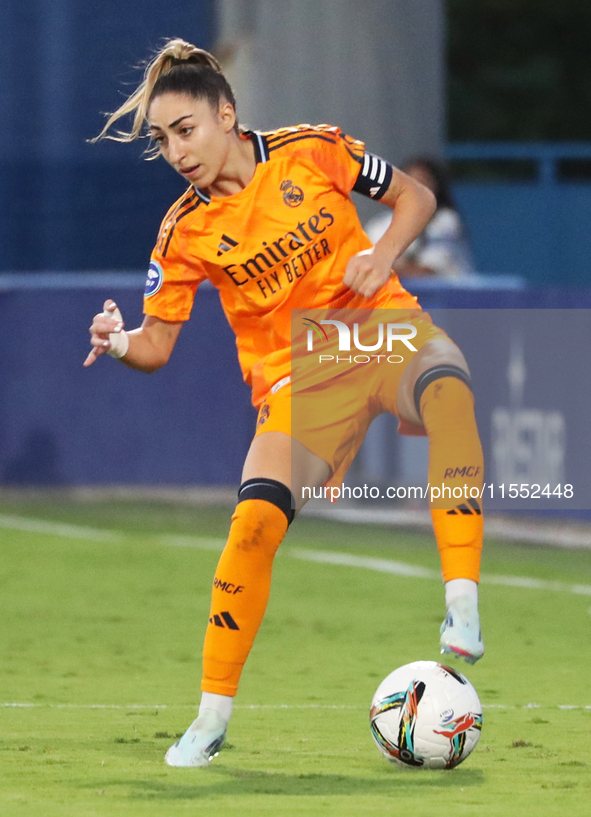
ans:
(281, 243)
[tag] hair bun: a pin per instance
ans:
(179, 52)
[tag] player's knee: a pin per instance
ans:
(440, 372)
(271, 492)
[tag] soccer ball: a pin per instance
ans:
(426, 716)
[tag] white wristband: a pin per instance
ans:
(118, 340)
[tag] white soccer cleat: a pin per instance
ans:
(201, 742)
(460, 632)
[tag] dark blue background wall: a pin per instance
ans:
(67, 204)
(189, 423)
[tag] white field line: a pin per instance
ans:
(47, 527)
(349, 560)
(200, 542)
(401, 569)
(530, 531)
(134, 707)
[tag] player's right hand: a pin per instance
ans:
(104, 324)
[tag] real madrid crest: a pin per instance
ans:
(293, 195)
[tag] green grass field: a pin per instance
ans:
(103, 608)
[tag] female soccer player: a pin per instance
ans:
(268, 219)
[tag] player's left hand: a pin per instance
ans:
(367, 272)
(106, 327)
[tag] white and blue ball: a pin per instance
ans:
(426, 715)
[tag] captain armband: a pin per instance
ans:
(374, 177)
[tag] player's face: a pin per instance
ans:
(192, 136)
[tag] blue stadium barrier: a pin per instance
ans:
(61, 424)
(538, 227)
(191, 422)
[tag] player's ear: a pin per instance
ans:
(227, 115)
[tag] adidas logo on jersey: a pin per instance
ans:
(226, 244)
(224, 620)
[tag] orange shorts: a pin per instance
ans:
(331, 417)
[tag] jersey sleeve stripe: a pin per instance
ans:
(179, 217)
(355, 156)
(170, 220)
(188, 197)
(304, 136)
(302, 130)
(186, 201)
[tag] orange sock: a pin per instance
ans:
(456, 469)
(240, 592)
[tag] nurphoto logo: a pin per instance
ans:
(389, 333)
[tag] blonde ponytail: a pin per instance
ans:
(174, 53)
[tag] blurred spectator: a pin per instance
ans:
(442, 248)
